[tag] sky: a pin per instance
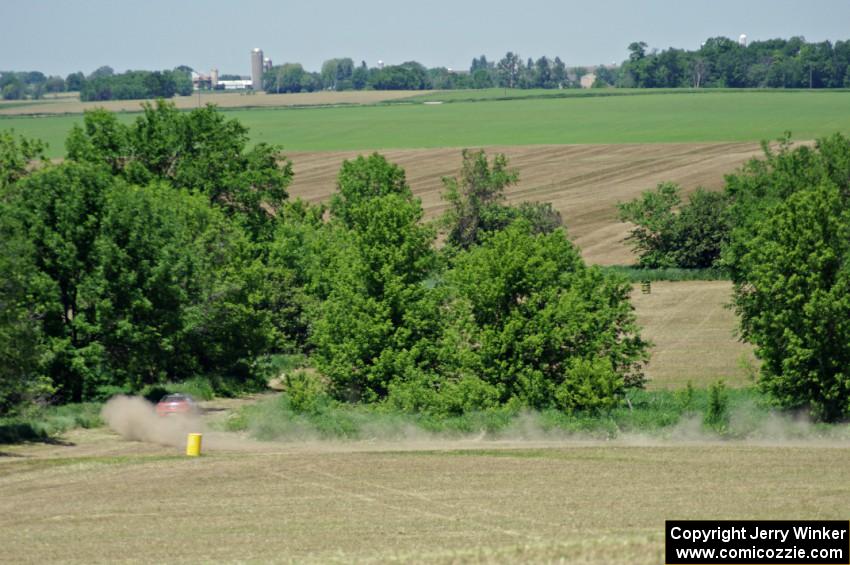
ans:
(63, 36)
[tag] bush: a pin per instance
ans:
(467, 394)
(306, 393)
(37, 423)
(717, 412)
(589, 385)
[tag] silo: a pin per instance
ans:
(213, 78)
(257, 69)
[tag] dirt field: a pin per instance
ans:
(103, 499)
(67, 105)
(584, 182)
(693, 332)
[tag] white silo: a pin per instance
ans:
(257, 69)
(213, 78)
(742, 40)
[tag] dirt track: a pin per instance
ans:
(584, 182)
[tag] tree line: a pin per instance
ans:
(344, 74)
(102, 84)
(167, 250)
(719, 63)
(723, 63)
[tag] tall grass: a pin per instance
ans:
(42, 423)
(638, 274)
(687, 414)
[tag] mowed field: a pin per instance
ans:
(693, 331)
(652, 118)
(100, 499)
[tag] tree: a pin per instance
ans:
(788, 257)
(22, 296)
(55, 84)
(667, 233)
(794, 301)
(126, 286)
(540, 327)
(16, 156)
(637, 51)
(481, 79)
(12, 90)
(284, 78)
(360, 76)
(472, 197)
(102, 72)
(407, 76)
(509, 69)
(370, 328)
(75, 81)
(200, 151)
(366, 178)
(337, 73)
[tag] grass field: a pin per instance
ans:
(69, 103)
(98, 498)
(708, 117)
(693, 332)
(515, 93)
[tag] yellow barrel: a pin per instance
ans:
(193, 445)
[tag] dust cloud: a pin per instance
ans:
(135, 418)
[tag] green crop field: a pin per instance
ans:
(650, 118)
(526, 93)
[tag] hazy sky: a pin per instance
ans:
(61, 36)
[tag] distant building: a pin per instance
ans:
(201, 81)
(742, 40)
(259, 65)
(588, 80)
(257, 69)
(241, 84)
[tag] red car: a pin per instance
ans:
(177, 404)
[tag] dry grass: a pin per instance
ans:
(107, 500)
(693, 332)
(73, 105)
(584, 182)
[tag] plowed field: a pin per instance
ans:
(584, 182)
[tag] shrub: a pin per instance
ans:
(589, 385)
(306, 393)
(717, 411)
